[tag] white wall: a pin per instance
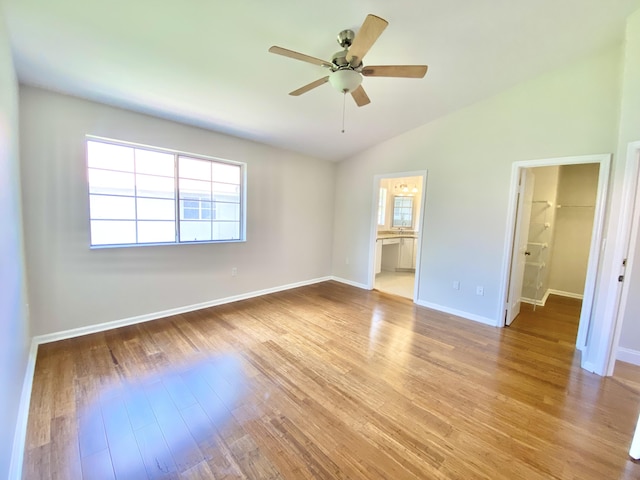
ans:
(630, 132)
(289, 221)
(468, 155)
(14, 330)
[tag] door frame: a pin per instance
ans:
(597, 243)
(628, 231)
(374, 225)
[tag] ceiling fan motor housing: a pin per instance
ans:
(345, 38)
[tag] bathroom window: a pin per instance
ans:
(402, 211)
(382, 207)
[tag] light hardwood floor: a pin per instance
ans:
(329, 381)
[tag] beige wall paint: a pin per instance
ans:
(14, 327)
(468, 155)
(289, 220)
(577, 189)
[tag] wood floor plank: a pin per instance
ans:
(330, 381)
(155, 453)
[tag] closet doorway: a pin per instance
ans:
(558, 249)
(396, 233)
(560, 228)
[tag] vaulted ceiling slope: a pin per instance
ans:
(206, 62)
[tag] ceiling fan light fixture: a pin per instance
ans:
(345, 80)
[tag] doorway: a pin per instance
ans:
(396, 233)
(558, 237)
(573, 205)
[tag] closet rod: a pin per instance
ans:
(575, 206)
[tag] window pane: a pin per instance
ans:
(195, 189)
(196, 169)
(226, 230)
(113, 208)
(227, 211)
(195, 231)
(106, 155)
(152, 186)
(109, 232)
(155, 163)
(226, 193)
(156, 232)
(195, 210)
(113, 183)
(153, 209)
(224, 173)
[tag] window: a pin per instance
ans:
(141, 196)
(402, 211)
(382, 206)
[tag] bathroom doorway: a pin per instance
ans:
(397, 227)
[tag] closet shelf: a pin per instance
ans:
(538, 244)
(536, 264)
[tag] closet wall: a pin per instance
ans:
(577, 190)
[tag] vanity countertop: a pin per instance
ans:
(382, 236)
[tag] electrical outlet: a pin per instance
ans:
(234, 271)
(479, 290)
(456, 285)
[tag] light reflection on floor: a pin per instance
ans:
(155, 426)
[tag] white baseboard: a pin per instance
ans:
(350, 282)
(458, 313)
(101, 327)
(539, 303)
(628, 355)
(20, 435)
(551, 291)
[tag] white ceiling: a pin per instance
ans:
(205, 62)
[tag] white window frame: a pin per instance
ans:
(178, 201)
(382, 207)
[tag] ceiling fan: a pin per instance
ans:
(346, 65)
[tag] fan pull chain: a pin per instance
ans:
(344, 102)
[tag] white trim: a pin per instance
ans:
(101, 327)
(20, 435)
(562, 293)
(540, 303)
(458, 313)
(533, 301)
(628, 230)
(351, 283)
(628, 355)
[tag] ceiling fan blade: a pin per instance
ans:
(404, 71)
(360, 96)
(310, 86)
(299, 56)
(369, 32)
